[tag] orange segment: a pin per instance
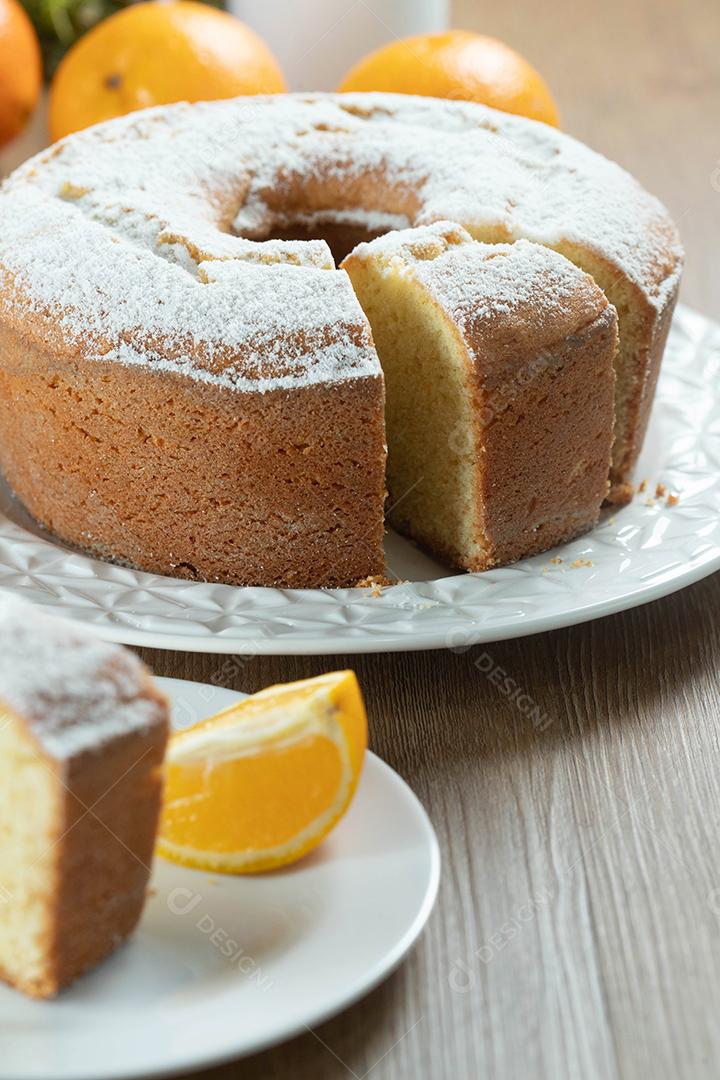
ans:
(459, 65)
(263, 783)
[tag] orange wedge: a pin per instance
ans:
(263, 783)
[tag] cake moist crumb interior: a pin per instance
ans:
(428, 414)
(29, 809)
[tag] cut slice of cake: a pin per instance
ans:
(498, 362)
(82, 738)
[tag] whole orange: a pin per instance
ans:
(156, 53)
(20, 69)
(457, 64)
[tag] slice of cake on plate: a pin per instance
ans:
(498, 364)
(83, 731)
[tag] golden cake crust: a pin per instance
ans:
(154, 470)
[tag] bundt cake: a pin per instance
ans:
(496, 357)
(189, 386)
(82, 738)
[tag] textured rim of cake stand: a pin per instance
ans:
(641, 553)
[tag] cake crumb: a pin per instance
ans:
(556, 561)
(660, 490)
(642, 486)
(581, 562)
(376, 584)
(650, 501)
(672, 500)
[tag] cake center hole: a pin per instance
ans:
(342, 233)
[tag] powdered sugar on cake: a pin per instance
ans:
(74, 691)
(138, 236)
(478, 283)
(245, 326)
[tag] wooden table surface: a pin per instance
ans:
(577, 932)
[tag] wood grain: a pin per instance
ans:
(578, 928)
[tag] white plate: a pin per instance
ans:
(638, 554)
(314, 938)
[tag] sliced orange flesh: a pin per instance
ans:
(263, 783)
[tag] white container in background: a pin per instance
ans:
(318, 41)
